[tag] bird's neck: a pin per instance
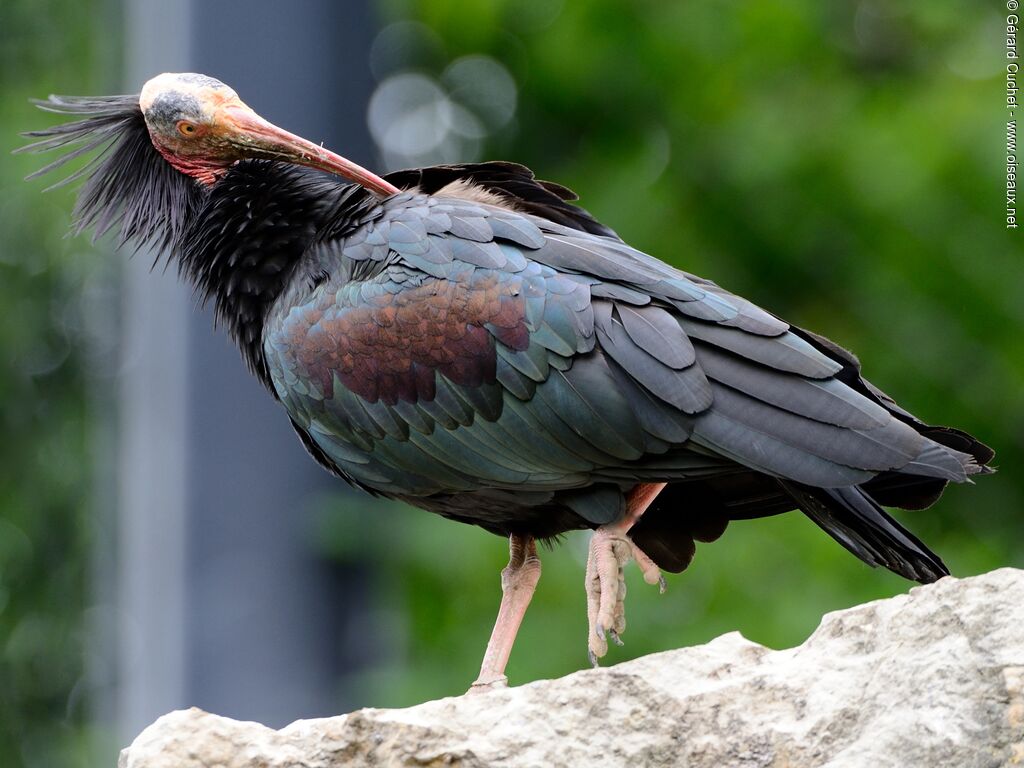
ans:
(205, 171)
(245, 245)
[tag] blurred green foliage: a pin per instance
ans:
(839, 164)
(46, 453)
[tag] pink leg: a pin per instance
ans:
(610, 550)
(518, 582)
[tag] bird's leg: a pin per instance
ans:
(518, 582)
(610, 550)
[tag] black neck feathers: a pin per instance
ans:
(246, 243)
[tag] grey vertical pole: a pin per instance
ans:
(226, 604)
(152, 480)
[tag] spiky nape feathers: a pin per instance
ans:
(128, 185)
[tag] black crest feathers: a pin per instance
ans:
(128, 184)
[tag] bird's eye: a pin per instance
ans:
(185, 128)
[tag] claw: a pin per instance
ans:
(593, 659)
(599, 631)
(615, 638)
(662, 585)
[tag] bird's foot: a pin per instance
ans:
(610, 550)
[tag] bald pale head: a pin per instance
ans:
(202, 128)
(184, 85)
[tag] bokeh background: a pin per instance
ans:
(840, 164)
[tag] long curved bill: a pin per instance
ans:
(256, 137)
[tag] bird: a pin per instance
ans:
(467, 339)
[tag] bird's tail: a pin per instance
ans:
(852, 515)
(853, 518)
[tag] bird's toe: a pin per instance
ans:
(606, 590)
(650, 570)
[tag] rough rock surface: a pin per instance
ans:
(933, 678)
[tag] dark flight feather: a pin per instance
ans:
(855, 520)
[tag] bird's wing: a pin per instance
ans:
(459, 346)
(779, 403)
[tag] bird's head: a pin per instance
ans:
(157, 150)
(201, 128)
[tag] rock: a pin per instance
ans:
(931, 678)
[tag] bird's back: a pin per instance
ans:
(506, 369)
